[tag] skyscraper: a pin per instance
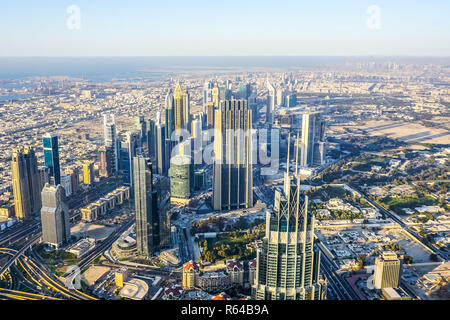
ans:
(207, 94)
(55, 216)
(106, 162)
(110, 134)
(170, 125)
(25, 181)
(245, 91)
(313, 140)
(145, 199)
(162, 152)
(233, 176)
(88, 173)
(132, 146)
(181, 178)
(181, 109)
(141, 125)
(151, 138)
(288, 264)
(210, 115)
(51, 157)
(387, 270)
(271, 94)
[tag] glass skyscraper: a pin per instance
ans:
(51, 157)
(233, 176)
(288, 264)
(145, 199)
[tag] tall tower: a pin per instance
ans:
(288, 265)
(110, 134)
(55, 216)
(132, 147)
(145, 199)
(106, 161)
(88, 172)
(51, 157)
(162, 152)
(271, 94)
(25, 181)
(170, 125)
(233, 175)
(181, 108)
(313, 140)
(141, 125)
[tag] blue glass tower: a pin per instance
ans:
(51, 157)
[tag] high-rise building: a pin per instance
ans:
(210, 115)
(181, 178)
(88, 172)
(44, 176)
(66, 183)
(151, 138)
(110, 135)
(245, 90)
(291, 100)
(105, 156)
(55, 216)
(288, 264)
(141, 126)
(181, 109)
(233, 171)
(74, 178)
(387, 270)
(26, 182)
(253, 105)
(145, 199)
(313, 140)
(207, 94)
(51, 157)
(271, 94)
(215, 95)
(132, 147)
(170, 125)
(162, 152)
(281, 97)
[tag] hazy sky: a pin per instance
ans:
(224, 27)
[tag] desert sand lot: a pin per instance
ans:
(93, 274)
(98, 232)
(406, 131)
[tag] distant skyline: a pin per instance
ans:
(225, 28)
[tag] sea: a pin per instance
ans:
(103, 69)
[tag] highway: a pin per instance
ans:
(339, 285)
(27, 244)
(103, 246)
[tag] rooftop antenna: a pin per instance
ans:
(296, 153)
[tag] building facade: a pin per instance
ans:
(26, 182)
(233, 170)
(51, 157)
(55, 216)
(288, 265)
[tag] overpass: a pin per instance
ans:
(27, 246)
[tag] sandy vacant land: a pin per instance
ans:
(93, 274)
(406, 131)
(98, 232)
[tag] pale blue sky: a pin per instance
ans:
(218, 28)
